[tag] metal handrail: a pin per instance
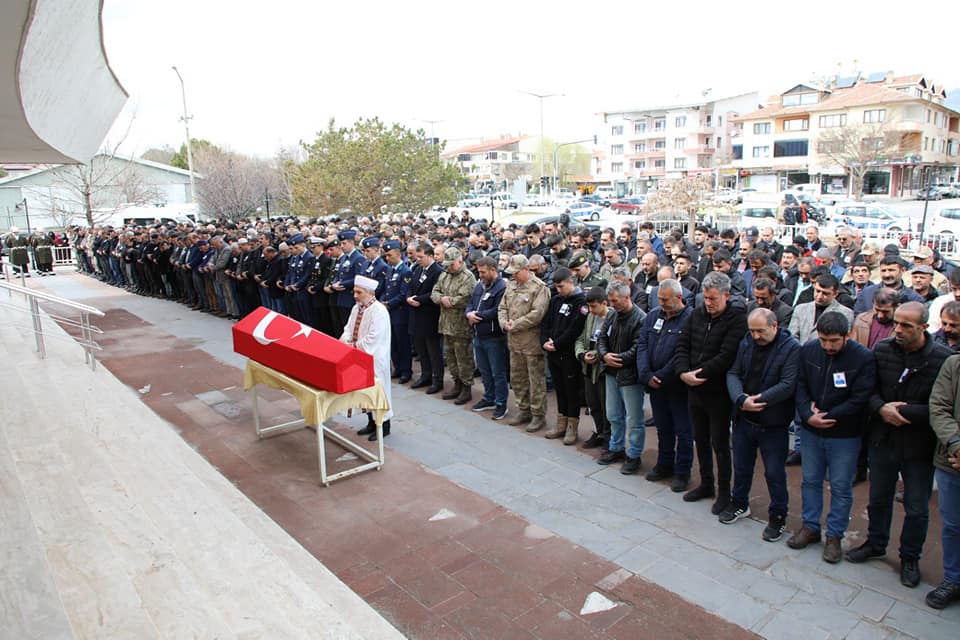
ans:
(87, 330)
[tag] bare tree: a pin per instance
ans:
(234, 186)
(857, 148)
(685, 196)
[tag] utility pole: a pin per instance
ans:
(541, 97)
(433, 138)
(186, 125)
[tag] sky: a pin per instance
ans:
(261, 75)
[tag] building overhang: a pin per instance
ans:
(58, 95)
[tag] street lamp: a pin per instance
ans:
(26, 212)
(541, 97)
(556, 157)
(432, 136)
(186, 126)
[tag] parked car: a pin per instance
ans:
(949, 190)
(596, 199)
(945, 223)
(871, 216)
(629, 204)
(930, 193)
(504, 201)
(727, 196)
(751, 216)
(584, 210)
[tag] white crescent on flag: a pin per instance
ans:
(259, 332)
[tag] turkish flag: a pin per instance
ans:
(302, 352)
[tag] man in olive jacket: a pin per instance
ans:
(945, 422)
(452, 294)
(900, 438)
(594, 382)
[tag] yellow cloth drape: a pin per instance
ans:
(316, 405)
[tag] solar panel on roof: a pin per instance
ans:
(845, 83)
(877, 76)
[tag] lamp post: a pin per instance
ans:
(541, 97)
(556, 157)
(186, 126)
(432, 136)
(26, 212)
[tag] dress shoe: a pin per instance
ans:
(659, 473)
(630, 466)
(680, 483)
(909, 573)
(802, 538)
(436, 387)
(864, 552)
(721, 503)
(367, 430)
(612, 456)
(421, 382)
(595, 440)
(832, 551)
(404, 379)
(793, 459)
(699, 493)
(943, 595)
(386, 431)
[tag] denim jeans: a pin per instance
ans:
(886, 463)
(839, 457)
(491, 356)
(948, 488)
(674, 431)
(773, 443)
(625, 411)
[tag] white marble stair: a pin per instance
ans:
(112, 527)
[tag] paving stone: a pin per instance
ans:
(871, 604)
(231, 409)
(838, 620)
(813, 583)
(637, 559)
(866, 630)
(784, 627)
(213, 397)
(879, 576)
(919, 623)
(634, 485)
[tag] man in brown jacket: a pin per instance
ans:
(870, 327)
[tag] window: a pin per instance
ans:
(833, 146)
(639, 127)
(761, 152)
(797, 99)
(719, 121)
(738, 152)
(639, 164)
(464, 157)
(659, 164)
(640, 147)
(616, 149)
(616, 167)
(679, 163)
(796, 124)
(660, 124)
(719, 142)
(709, 118)
(788, 148)
(878, 115)
(679, 143)
(680, 122)
(660, 145)
(761, 128)
(928, 116)
(836, 120)
(616, 130)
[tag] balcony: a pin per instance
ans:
(906, 125)
(704, 129)
(700, 149)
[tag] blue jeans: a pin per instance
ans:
(839, 457)
(886, 464)
(948, 488)
(674, 431)
(625, 410)
(491, 356)
(773, 443)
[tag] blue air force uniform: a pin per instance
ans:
(395, 293)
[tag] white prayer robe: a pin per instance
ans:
(373, 338)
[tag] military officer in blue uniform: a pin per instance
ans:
(298, 275)
(395, 299)
(376, 267)
(352, 264)
(333, 311)
(292, 274)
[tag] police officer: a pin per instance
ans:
(394, 299)
(376, 268)
(352, 264)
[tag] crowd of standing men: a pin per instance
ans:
(738, 340)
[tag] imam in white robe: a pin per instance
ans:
(373, 338)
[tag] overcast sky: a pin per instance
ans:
(263, 74)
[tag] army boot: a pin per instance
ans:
(573, 426)
(453, 393)
(536, 424)
(466, 395)
(559, 430)
(522, 418)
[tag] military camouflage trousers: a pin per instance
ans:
(459, 355)
(528, 378)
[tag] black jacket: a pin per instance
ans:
(564, 321)
(839, 385)
(619, 335)
(778, 381)
(425, 319)
(906, 377)
(711, 344)
(486, 302)
(657, 349)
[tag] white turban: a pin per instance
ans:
(366, 283)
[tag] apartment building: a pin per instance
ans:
(492, 162)
(786, 142)
(637, 148)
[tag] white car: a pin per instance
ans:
(946, 223)
(755, 216)
(580, 209)
(873, 217)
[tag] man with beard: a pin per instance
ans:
(765, 297)
(891, 275)
(921, 277)
(870, 327)
(937, 305)
(949, 332)
(805, 316)
(859, 278)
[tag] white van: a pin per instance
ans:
(606, 192)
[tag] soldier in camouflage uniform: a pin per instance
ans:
(524, 304)
(586, 277)
(452, 293)
(42, 244)
(16, 245)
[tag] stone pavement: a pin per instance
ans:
(579, 528)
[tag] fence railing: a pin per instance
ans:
(63, 256)
(33, 299)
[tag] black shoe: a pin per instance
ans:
(367, 430)
(386, 431)
(775, 527)
(435, 388)
(733, 513)
(594, 441)
(721, 503)
(421, 382)
(394, 375)
(404, 379)
(864, 552)
(943, 595)
(612, 456)
(699, 493)
(649, 422)
(680, 483)
(909, 573)
(631, 466)
(658, 473)
(793, 458)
